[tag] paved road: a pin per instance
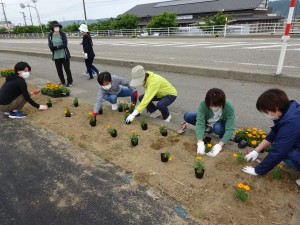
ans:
(45, 180)
(191, 88)
(241, 54)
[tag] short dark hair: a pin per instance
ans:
(271, 100)
(215, 97)
(21, 66)
(104, 76)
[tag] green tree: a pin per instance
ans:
(218, 19)
(3, 30)
(109, 24)
(71, 28)
(127, 21)
(26, 29)
(166, 19)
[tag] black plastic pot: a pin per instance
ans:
(163, 158)
(243, 144)
(134, 142)
(76, 104)
(68, 114)
(120, 109)
(199, 175)
(100, 111)
(114, 134)
(144, 126)
(67, 93)
(49, 105)
(237, 139)
(207, 140)
(127, 122)
(93, 123)
(164, 133)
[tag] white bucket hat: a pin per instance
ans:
(83, 28)
(138, 75)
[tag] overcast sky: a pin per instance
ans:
(62, 10)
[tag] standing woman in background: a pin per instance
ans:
(58, 44)
(89, 54)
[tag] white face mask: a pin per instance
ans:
(107, 87)
(271, 117)
(56, 29)
(215, 109)
(25, 75)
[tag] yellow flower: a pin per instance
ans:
(240, 185)
(257, 136)
(198, 157)
(249, 135)
(132, 104)
(133, 131)
(246, 187)
(263, 136)
(235, 155)
(253, 142)
(127, 111)
(254, 132)
(65, 111)
(108, 126)
(90, 113)
(260, 132)
(280, 166)
(254, 129)
(209, 145)
(249, 130)
(170, 158)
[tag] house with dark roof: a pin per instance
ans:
(191, 11)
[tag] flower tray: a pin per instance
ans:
(60, 95)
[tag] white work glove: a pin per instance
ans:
(215, 150)
(85, 55)
(200, 148)
(250, 170)
(131, 117)
(43, 107)
(251, 156)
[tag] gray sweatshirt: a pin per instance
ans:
(116, 86)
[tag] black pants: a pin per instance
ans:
(90, 67)
(59, 63)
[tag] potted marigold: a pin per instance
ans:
(240, 193)
(125, 106)
(7, 72)
(49, 103)
(134, 137)
(165, 156)
(112, 131)
(93, 120)
(75, 102)
(163, 130)
(199, 168)
(67, 112)
(208, 147)
(276, 172)
(144, 125)
(240, 157)
(120, 107)
(131, 107)
(126, 115)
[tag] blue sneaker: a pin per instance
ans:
(16, 115)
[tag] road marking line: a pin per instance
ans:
(256, 64)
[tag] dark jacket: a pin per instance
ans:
(87, 44)
(285, 136)
(12, 88)
(64, 46)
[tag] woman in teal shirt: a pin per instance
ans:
(215, 114)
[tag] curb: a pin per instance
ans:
(182, 69)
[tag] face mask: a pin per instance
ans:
(25, 75)
(215, 109)
(271, 117)
(56, 29)
(107, 87)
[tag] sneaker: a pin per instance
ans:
(85, 74)
(183, 127)
(298, 182)
(6, 113)
(114, 106)
(155, 114)
(16, 115)
(69, 85)
(91, 78)
(95, 74)
(168, 119)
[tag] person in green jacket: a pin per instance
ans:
(215, 114)
(158, 89)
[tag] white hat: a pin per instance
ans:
(138, 76)
(83, 28)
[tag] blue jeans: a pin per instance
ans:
(162, 104)
(290, 164)
(125, 92)
(218, 128)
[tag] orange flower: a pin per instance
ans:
(280, 166)
(263, 136)
(253, 142)
(249, 135)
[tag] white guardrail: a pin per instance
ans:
(228, 30)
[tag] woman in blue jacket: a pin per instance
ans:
(284, 135)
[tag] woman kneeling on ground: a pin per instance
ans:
(215, 115)
(284, 135)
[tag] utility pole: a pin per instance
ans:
(84, 13)
(30, 14)
(24, 17)
(5, 16)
